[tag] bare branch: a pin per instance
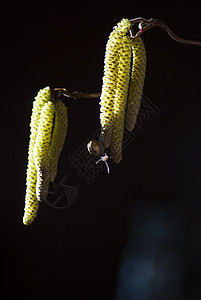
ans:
(145, 25)
(76, 94)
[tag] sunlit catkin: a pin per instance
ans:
(120, 99)
(58, 137)
(111, 66)
(31, 201)
(136, 83)
(41, 150)
(43, 96)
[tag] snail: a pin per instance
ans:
(96, 148)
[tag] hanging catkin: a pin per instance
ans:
(120, 99)
(136, 83)
(110, 79)
(41, 150)
(58, 137)
(31, 201)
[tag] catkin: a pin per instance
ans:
(136, 83)
(31, 201)
(41, 150)
(120, 99)
(45, 145)
(111, 66)
(58, 137)
(43, 96)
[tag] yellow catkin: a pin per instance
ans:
(120, 99)
(111, 64)
(41, 150)
(31, 201)
(43, 96)
(58, 137)
(136, 83)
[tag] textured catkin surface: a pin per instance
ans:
(111, 66)
(46, 142)
(120, 99)
(31, 201)
(43, 96)
(136, 83)
(58, 137)
(41, 150)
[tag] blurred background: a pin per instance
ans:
(134, 233)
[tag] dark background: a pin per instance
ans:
(78, 253)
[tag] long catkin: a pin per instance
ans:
(120, 99)
(58, 137)
(31, 201)
(111, 65)
(136, 83)
(41, 150)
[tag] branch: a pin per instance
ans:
(74, 95)
(145, 25)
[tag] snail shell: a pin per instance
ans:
(93, 147)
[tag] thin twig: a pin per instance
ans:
(148, 24)
(161, 24)
(144, 25)
(76, 94)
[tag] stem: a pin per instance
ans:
(143, 26)
(178, 39)
(76, 94)
(148, 24)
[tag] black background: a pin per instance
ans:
(75, 253)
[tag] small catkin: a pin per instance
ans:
(58, 137)
(136, 83)
(111, 65)
(31, 201)
(41, 150)
(120, 99)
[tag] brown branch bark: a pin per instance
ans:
(75, 94)
(145, 25)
